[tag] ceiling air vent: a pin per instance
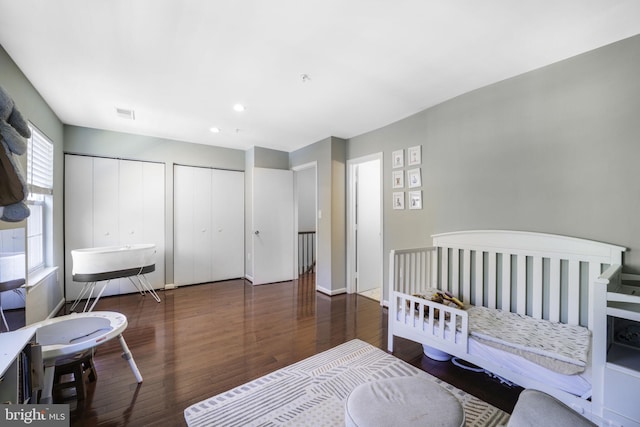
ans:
(125, 113)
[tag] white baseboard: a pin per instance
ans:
(331, 292)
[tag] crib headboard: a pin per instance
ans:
(542, 275)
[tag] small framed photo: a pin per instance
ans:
(398, 200)
(413, 176)
(415, 199)
(398, 179)
(397, 159)
(414, 155)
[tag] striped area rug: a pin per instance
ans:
(313, 392)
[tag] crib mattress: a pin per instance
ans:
(578, 384)
(558, 346)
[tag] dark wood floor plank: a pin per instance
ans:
(203, 340)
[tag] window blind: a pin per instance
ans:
(39, 163)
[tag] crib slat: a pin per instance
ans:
(420, 316)
(423, 269)
(506, 282)
(479, 282)
(444, 276)
(466, 276)
(415, 273)
(412, 272)
(594, 273)
(521, 287)
(554, 289)
(452, 327)
(400, 261)
(433, 267)
(441, 323)
(573, 312)
(430, 322)
(455, 272)
(492, 285)
(536, 312)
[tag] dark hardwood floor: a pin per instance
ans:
(205, 339)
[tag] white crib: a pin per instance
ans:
(534, 275)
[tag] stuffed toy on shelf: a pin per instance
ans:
(13, 137)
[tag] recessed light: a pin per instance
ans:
(238, 107)
(215, 130)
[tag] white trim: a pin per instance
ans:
(329, 291)
(36, 277)
(351, 182)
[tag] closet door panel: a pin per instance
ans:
(227, 217)
(130, 212)
(131, 203)
(106, 194)
(105, 202)
(111, 202)
(141, 213)
(209, 225)
(202, 225)
(183, 229)
(78, 214)
(153, 226)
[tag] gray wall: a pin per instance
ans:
(555, 150)
(330, 155)
(306, 196)
(34, 108)
(79, 140)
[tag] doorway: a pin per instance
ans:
(306, 208)
(364, 239)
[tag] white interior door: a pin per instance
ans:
(273, 226)
(227, 218)
(208, 225)
(106, 200)
(78, 214)
(183, 238)
(203, 239)
(369, 227)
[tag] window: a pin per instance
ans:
(40, 199)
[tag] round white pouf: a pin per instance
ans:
(403, 401)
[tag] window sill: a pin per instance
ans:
(35, 278)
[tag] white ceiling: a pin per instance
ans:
(183, 64)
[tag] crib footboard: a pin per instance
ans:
(428, 322)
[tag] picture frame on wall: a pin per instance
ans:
(414, 155)
(415, 199)
(398, 200)
(397, 159)
(398, 179)
(414, 178)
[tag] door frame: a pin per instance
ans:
(351, 219)
(296, 169)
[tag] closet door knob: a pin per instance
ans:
(256, 232)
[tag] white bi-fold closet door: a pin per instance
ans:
(111, 202)
(208, 224)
